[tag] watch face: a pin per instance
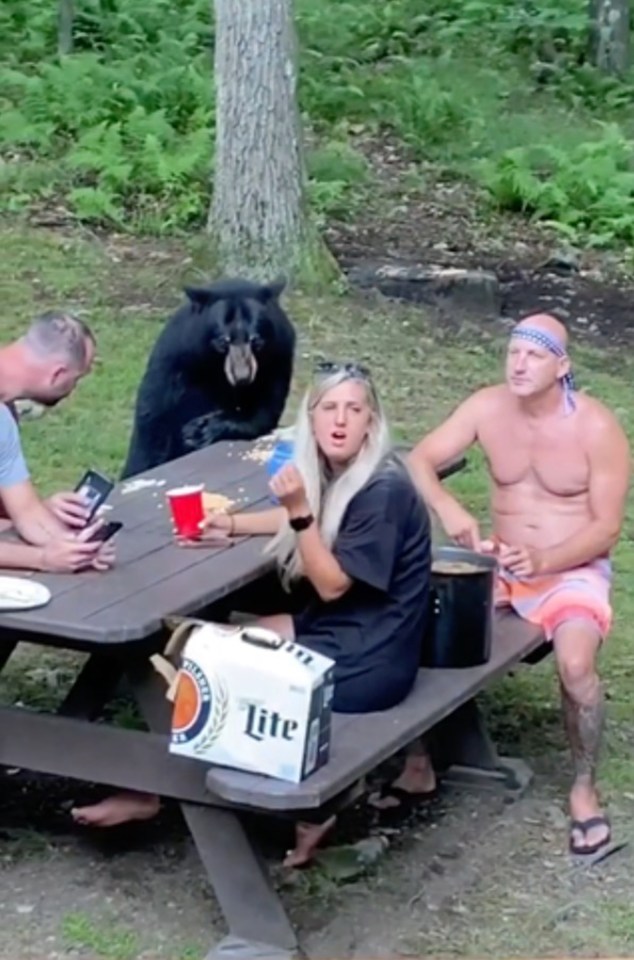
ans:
(301, 523)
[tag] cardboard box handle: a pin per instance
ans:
(259, 637)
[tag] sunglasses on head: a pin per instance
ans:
(356, 370)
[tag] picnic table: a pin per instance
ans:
(118, 620)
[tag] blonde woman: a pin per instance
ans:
(351, 524)
(353, 529)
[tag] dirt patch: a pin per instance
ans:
(484, 879)
(416, 216)
(471, 874)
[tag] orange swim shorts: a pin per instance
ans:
(551, 600)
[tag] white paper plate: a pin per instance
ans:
(17, 593)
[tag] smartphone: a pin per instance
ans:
(96, 489)
(105, 532)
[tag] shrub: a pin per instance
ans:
(588, 191)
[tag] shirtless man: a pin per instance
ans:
(559, 465)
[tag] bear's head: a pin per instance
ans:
(238, 323)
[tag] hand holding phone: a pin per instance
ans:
(97, 537)
(70, 508)
(105, 532)
(95, 489)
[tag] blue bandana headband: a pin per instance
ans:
(552, 344)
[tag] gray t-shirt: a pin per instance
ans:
(13, 468)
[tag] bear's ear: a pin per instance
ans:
(271, 291)
(199, 296)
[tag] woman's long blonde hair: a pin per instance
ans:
(328, 496)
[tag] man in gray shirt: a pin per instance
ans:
(44, 365)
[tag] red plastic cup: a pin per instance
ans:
(186, 504)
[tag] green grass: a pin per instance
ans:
(127, 292)
(103, 939)
(106, 938)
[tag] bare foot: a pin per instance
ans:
(418, 778)
(308, 836)
(586, 809)
(118, 809)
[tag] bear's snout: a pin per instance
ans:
(240, 365)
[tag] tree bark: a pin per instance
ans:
(66, 16)
(610, 35)
(257, 218)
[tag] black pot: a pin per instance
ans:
(460, 620)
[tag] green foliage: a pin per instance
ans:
(587, 191)
(126, 120)
(334, 171)
(122, 129)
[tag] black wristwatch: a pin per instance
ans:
(301, 523)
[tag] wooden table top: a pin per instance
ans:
(153, 577)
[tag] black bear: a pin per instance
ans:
(220, 369)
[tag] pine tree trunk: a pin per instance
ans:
(65, 18)
(610, 35)
(257, 217)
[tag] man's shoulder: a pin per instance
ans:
(593, 412)
(589, 405)
(595, 418)
(493, 393)
(488, 399)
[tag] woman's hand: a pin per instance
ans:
(288, 486)
(215, 527)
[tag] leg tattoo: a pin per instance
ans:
(584, 726)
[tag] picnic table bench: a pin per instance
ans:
(118, 620)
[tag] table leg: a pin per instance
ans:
(93, 688)
(258, 926)
(5, 653)
(461, 745)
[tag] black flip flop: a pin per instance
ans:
(589, 856)
(584, 826)
(407, 803)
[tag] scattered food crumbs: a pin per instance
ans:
(133, 485)
(259, 454)
(216, 501)
(263, 446)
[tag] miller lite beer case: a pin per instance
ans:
(246, 698)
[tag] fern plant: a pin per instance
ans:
(588, 191)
